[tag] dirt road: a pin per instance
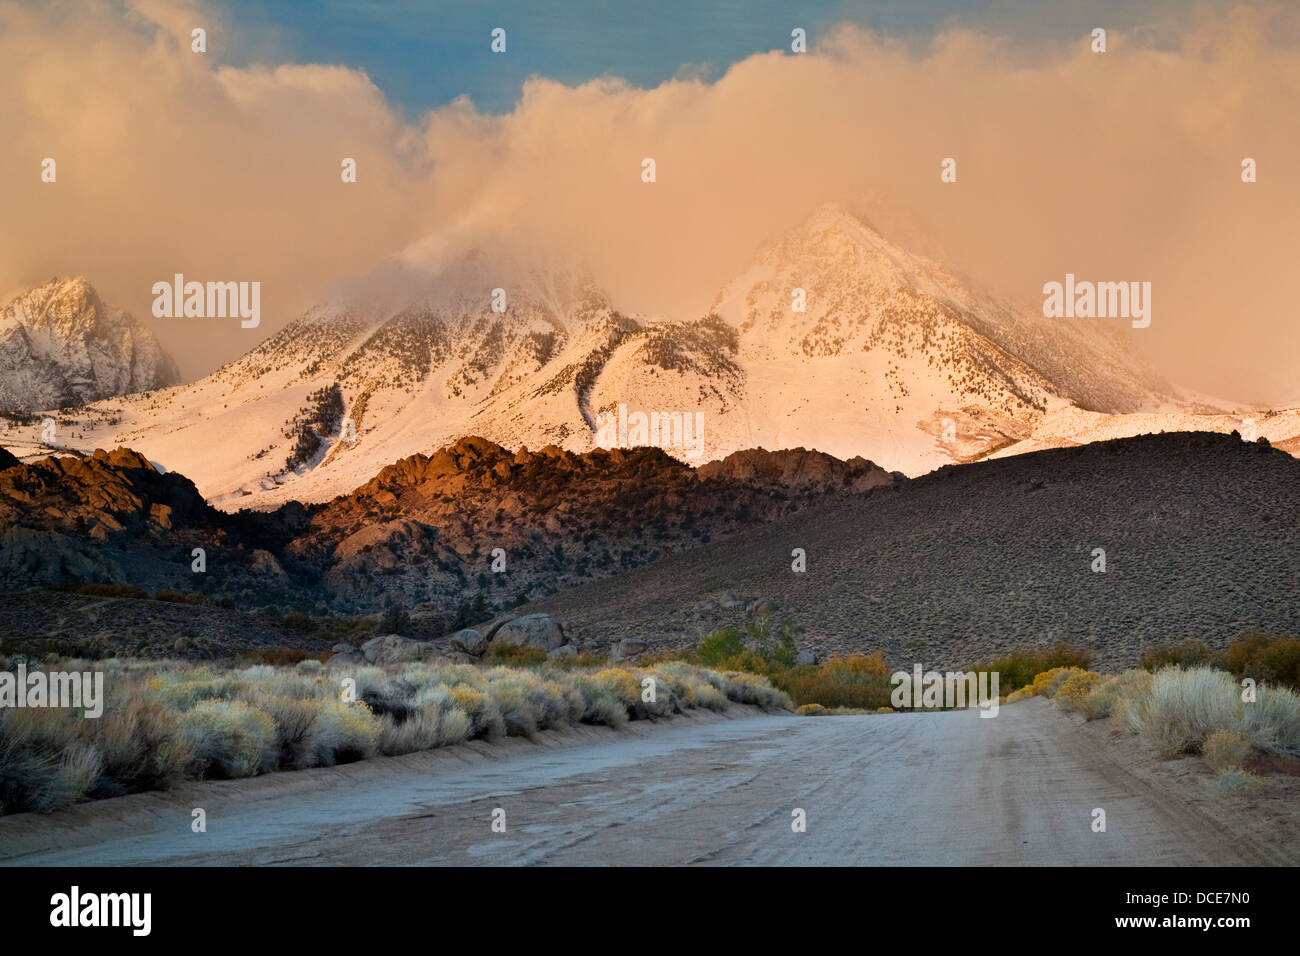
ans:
(906, 789)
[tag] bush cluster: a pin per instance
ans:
(167, 722)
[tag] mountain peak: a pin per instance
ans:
(833, 215)
(71, 297)
(60, 344)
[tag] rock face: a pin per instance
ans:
(540, 631)
(560, 518)
(61, 345)
(7, 460)
(113, 517)
(98, 496)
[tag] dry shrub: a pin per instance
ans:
(1272, 720)
(142, 746)
(1049, 682)
(170, 721)
(230, 738)
(853, 680)
(344, 732)
(755, 690)
(484, 715)
(1237, 783)
(295, 727)
(35, 771)
(1225, 750)
(1266, 658)
(424, 730)
(1099, 701)
(1076, 688)
(1183, 708)
(1129, 692)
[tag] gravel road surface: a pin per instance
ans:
(906, 789)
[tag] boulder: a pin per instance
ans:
(395, 649)
(564, 650)
(532, 630)
(264, 563)
(805, 657)
(470, 641)
(491, 627)
(627, 648)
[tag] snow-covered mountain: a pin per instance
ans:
(895, 354)
(61, 345)
(893, 358)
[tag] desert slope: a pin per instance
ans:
(1201, 534)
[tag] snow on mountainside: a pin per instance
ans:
(895, 356)
(61, 345)
(894, 359)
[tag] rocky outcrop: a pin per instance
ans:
(798, 468)
(430, 533)
(474, 516)
(109, 490)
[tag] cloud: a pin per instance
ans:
(1123, 165)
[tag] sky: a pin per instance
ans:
(426, 54)
(225, 165)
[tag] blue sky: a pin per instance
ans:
(425, 54)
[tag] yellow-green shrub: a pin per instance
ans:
(1075, 689)
(1225, 750)
(345, 732)
(1049, 682)
(230, 738)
